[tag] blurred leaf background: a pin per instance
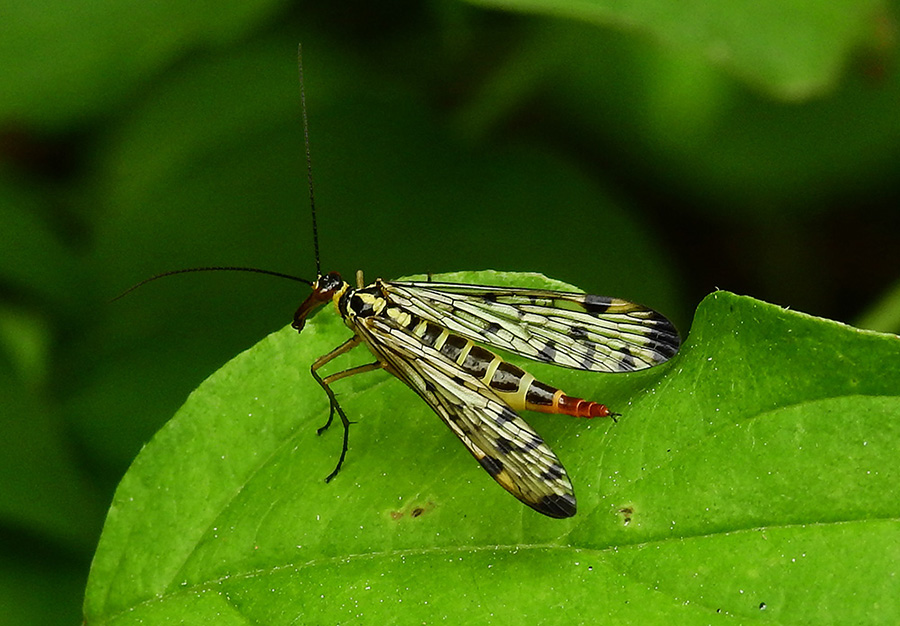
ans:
(648, 152)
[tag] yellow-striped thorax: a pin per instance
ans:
(349, 303)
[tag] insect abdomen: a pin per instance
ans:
(518, 388)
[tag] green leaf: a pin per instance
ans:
(754, 476)
(793, 49)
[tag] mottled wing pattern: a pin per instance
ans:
(575, 330)
(505, 445)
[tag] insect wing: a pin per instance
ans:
(505, 445)
(575, 330)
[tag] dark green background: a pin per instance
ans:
(633, 152)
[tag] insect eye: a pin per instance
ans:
(329, 283)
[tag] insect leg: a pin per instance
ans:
(325, 383)
(323, 360)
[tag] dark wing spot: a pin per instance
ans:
(493, 328)
(493, 465)
(554, 472)
(548, 352)
(626, 361)
(663, 340)
(589, 357)
(578, 333)
(533, 444)
(596, 304)
(557, 505)
(504, 445)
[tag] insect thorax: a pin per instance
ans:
(364, 302)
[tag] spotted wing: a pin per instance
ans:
(575, 330)
(505, 445)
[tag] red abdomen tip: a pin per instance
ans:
(579, 407)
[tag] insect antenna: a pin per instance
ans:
(309, 176)
(254, 270)
(312, 205)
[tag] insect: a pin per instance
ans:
(431, 335)
(425, 334)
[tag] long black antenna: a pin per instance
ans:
(312, 206)
(309, 177)
(211, 269)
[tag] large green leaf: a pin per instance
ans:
(755, 476)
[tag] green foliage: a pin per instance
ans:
(754, 475)
(76, 58)
(637, 151)
(792, 48)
